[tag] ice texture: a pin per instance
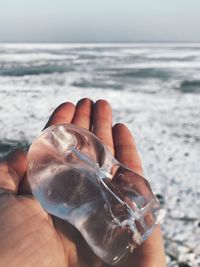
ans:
(75, 177)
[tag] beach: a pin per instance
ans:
(153, 87)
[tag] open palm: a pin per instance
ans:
(31, 237)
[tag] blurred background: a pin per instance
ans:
(143, 57)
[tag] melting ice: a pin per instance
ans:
(75, 177)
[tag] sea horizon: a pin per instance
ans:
(101, 42)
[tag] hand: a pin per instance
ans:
(31, 237)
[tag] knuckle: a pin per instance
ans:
(119, 126)
(104, 104)
(65, 105)
(84, 101)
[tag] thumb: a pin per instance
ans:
(12, 170)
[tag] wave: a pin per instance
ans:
(145, 73)
(188, 86)
(34, 70)
(168, 58)
(84, 83)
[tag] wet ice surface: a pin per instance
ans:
(161, 109)
(76, 178)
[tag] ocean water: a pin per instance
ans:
(153, 88)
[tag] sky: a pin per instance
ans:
(99, 20)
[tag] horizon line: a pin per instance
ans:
(94, 42)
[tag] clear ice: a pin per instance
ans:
(75, 177)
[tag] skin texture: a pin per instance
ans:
(29, 236)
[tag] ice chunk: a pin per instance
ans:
(75, 177)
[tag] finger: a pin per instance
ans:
(12, 171)
(125, 148)
(83, 113)
(151, 252)
(62, 114)
(102, 123)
